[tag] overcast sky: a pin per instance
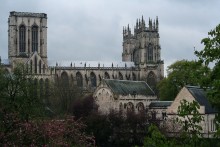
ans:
(91, 30)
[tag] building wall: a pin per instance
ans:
(208, 122)
(107, 101)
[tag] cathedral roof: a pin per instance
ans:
(90, 64)
(125, 87)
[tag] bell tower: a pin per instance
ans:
(143, 48)
(27, 34)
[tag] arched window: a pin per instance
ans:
(34, 38)
(107, 75)
(44, 68)
(150, 52)
(130, 106)
(120, 76)
(140, 107)
(35, 64)
(22, 39)
(40, 66)
(31, 66)
(136, 56)
(151, 80)
(93, 79)
(134, 77)
(64, 80)
(79, 79)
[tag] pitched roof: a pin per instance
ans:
(200, 95)
(125, 87)
(161, 104)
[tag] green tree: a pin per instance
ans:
(211, 54)
(182, 73)
(155, 138)
(19, 101)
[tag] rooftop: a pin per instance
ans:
(161, 104)
(124, 87)
(201, 97)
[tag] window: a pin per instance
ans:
(151, 80)
(93, 79)
(134, 77)
(40, 66)
(150, 52)
(22, 38)
(34, 38)
(31, 65)
(35, 64)
(120, 76)
(44, 68)
(164, 115)
(213, 128)
(79, 79)
(107, 75)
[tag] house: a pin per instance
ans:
(194, 93)
(123, 95)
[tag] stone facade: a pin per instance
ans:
(27, 43)
(190, 94)
(123, 95)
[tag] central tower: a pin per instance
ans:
(143, 48)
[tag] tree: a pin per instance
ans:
(155, 138)
(211, 54)
(182, 73)
(63, 94)
(19, 101)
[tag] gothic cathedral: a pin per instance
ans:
(141, 57)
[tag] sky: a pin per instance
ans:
(91, 30)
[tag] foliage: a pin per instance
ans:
(63, 95)
(182, 73)
(117, 129)
(189, 118)
(155, 138)
(19, 94)
(23, 122)
(57, 132)
(211, 54)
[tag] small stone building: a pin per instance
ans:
(194, 93)
(123, 95)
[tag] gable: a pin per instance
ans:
(183, 94)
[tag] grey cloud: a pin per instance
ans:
(92, 30)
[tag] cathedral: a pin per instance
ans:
(141, 56)
(124, 85)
